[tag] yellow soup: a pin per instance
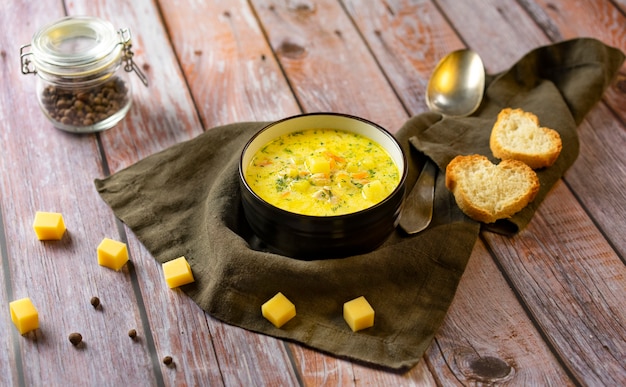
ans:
(322, 172)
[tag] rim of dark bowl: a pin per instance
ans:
(398, 187)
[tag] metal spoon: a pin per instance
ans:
(457, 84)
(456, 88)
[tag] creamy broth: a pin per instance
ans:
(322, 172)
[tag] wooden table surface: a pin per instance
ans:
(546, 307)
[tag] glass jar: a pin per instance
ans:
(82, 66)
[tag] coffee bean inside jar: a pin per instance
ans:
(85, 107)
(82, 65)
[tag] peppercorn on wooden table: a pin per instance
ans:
(546, 307)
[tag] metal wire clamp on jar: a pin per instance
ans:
(82, 66)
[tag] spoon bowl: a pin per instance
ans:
(457, 84)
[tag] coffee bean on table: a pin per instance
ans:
(75, 338)
(95, 302)
(85, 107)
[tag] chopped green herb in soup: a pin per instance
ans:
(322, 172)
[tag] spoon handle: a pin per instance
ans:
(418, 205)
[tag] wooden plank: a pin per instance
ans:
(162, 115)
(511, 33)
(230, 68)
(487, 337)
(319, 369)
(392, 25)
(326, 61)
(574, 285)
(526, 286)
(205, 351)
(11, 372)
(598, 177)
(49, 170)
(599, 174)
(597, 19)
(307, 38)
(408, 38)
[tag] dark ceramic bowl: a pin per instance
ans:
(321, 237)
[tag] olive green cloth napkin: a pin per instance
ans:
(185, 200)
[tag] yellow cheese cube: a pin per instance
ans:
(24, 315)
(358, 313)
(278, 310)
(177, 272)
(112, 254)
(48, 225)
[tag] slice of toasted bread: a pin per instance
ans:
(517, 135)
(487, 192)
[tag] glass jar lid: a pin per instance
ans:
(76, 47)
